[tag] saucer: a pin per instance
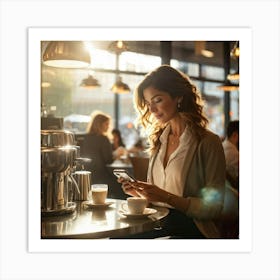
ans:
(91, 204)
(146, 213)
(70, 208)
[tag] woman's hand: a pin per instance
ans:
(127, 188)
(155, 194)
(149, 191)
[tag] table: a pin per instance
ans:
(87, 223)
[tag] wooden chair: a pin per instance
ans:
(140, 167)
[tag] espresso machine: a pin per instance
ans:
(59, 159)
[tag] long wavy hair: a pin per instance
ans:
(96, 122)
(176, 84)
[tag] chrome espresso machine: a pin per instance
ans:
(59, 160)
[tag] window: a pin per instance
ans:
(103, 59)
(192, 69)
(136, 62)
(212, 72)
(234, 105)
(213, 105)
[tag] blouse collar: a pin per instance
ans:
(164, 136)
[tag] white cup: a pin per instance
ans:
(99, 193)
(136, 205)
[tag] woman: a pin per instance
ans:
(117, 139)
(118, 145)
(97, 147)
(187, 165)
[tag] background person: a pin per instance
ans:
(231, 149)
(138, 148)
(118, 145)
(187, 165)
(97, 146)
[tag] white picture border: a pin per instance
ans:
(262, 262)
(38, 34)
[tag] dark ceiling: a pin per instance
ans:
(181, 50)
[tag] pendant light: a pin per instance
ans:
(235, 52)
(200, 49)
(45, 84)
(120, 87)
(66, 54)
(90, 82)
(118, 47)
(234, 76)
(228, 86)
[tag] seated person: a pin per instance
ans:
(118, 145)
(231, 146)
(138, 148)
(97, 146)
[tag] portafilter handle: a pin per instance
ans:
(82, 160)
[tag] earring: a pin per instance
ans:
(179, 105)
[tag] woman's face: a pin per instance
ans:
(116, 138)
(105, 126)
(161, 105)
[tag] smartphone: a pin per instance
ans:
(122, 173)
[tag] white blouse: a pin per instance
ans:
(172, 177)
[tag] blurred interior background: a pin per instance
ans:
(73, 93)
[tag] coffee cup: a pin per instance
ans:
(136, 205)
(99, 193)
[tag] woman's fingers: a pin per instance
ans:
(121, 180)
(143, 189)
(129, 190)
(151, 192)
(141, 185)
